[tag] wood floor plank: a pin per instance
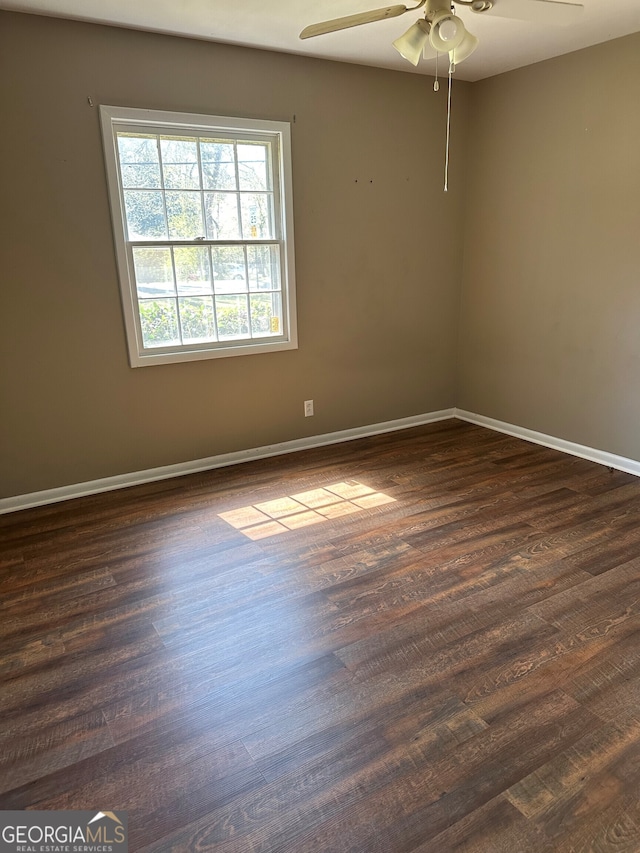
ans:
(495, 827)
(270, 818)
(595, 810)
(27, 758)
(598, 752)
(447, 660)
(184, 772)
(238, 709)
(92, 656)
(428, 796)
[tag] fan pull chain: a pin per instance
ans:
(446, 159)
(436, 82)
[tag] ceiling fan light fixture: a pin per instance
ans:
(465, 48)
(447, 32)
(410, 44)
(481, 5)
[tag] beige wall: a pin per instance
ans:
(550, 326)
(547, 335)
(378, 261)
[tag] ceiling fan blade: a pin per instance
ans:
(537, 11)
(352, 21)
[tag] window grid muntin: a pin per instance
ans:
(273, 175)
(274, 201)
(175, 290)
(247, 293)
(201, 177)
(161, 190)
(145, 122)
(248, 301)
(238, 205)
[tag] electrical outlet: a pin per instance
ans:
(308, 408)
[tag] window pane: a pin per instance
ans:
(154, 273)
(199, 209)
(266, 314)
(252, 167)
(196, 317)
(180, 163)
(145, 215)
(193, 272)
(218, 165)
(139, 163)
(159, 321)
(257, 219)
(140, 176)
(264, 267)
(233, 320)
(229, 273)
(221, 211)
(184, 214)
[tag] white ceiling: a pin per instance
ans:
(275, 24)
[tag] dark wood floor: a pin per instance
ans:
(425, 642)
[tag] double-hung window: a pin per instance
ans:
(202, 219)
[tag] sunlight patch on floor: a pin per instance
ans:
(292, 512)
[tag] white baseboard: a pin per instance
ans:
(135, 478)
(611, 460)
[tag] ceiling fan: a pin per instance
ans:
(442, 31)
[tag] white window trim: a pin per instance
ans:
(113, 119)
